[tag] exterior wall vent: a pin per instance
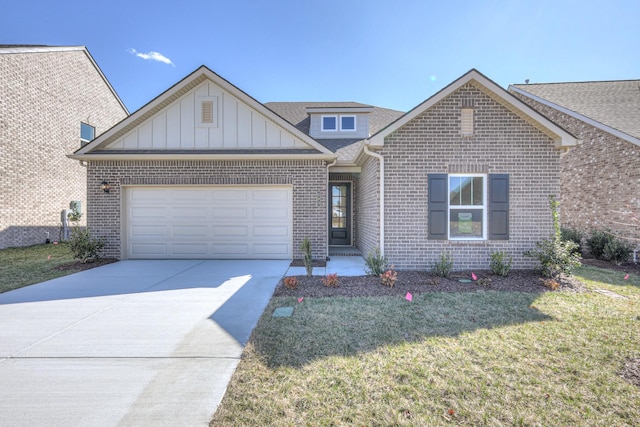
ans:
(466, 121)
(207, 112)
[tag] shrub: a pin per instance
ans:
(291, 282)
(573, 235)
(389, 277)
(376, 263)
(556, 256)
(331, 280)
(308, 261)
(483, 281)
(551, 284)
(443, 267)
(617, 251)
(500, 265)
(84, 247)
(598, 241)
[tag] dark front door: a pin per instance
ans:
(340, 214)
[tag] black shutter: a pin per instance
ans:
(438, 201)
(498, 207)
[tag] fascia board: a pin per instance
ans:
(200, 156)
(594, 123)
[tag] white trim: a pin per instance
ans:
(379, 156)
(578, 116)
(336, 110)
(483, 207)
(323, 129)
(200, 156)
(355, 123)
(561, 137)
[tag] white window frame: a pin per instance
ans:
(355, 123)
(329, 130)
(484, 206)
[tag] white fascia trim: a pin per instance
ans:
(225, 85)
(562, 139)
(200, 156)
(40, 49)
(578, 116)
(338, 110)
(345, 169)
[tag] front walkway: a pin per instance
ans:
(343, 265)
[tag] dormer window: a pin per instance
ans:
(329, 123)
(347, 123)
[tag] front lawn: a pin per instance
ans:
(34, 264)
(473, 358)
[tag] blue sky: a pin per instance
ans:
(392, 54)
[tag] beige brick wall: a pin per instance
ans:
(368, 213)
(43, 99)
(600, 178)
(503, 143)
(307, 177)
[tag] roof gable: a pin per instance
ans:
(561, 137)
(171, 124)
(613, 106)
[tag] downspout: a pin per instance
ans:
(381, 159)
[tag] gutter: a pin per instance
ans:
(381, 159)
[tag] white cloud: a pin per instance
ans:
(151, 56)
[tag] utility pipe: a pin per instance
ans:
(381, 159)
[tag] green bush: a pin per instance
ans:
(556, 256)
(308, 260)
(573, 235)
(443, 267)
(597, 241)
(376, 263)
(501, 263)
(84, 247)
(617, 251)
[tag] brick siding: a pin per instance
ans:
(503, 143)
(43, 98)
(308, 179)
(368, 212)
(600, 177)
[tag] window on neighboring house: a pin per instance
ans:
(87, 132)
(468, 207)
(329, 123)
(347, 123)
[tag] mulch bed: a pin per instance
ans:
(417, 282)
(79, 266)
(627, 267)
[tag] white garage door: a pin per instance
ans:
(209, 222)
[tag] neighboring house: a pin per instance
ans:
(206, 171)
(51, 99)
(601, 177)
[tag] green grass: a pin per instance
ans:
(25, 266)
(485, 358)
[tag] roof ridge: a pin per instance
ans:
(582, 82)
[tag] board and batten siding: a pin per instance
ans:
(236, 126)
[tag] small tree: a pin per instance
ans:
(556, 256)
(308, 260)
(83, 246)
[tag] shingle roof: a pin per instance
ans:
(296, 114)
(613, 103)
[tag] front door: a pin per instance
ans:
(340, 214)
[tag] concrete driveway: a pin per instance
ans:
(134, 343)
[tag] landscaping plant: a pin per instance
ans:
(501, 263)
(291, 282)
(376, 263)
(308, 261)
(389, 277)
(84, 247)
(556, 256)
(574, 235)
(444, 266)
(331, 280)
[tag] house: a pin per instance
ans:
(600, 178)
(206, 171)
(52, 99)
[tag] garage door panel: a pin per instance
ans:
(209, 222)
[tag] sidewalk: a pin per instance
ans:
(343, 265)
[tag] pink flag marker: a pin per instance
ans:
(473, 276)
(300, 299)
(626, 277)
(49, 257)
(409, 297)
